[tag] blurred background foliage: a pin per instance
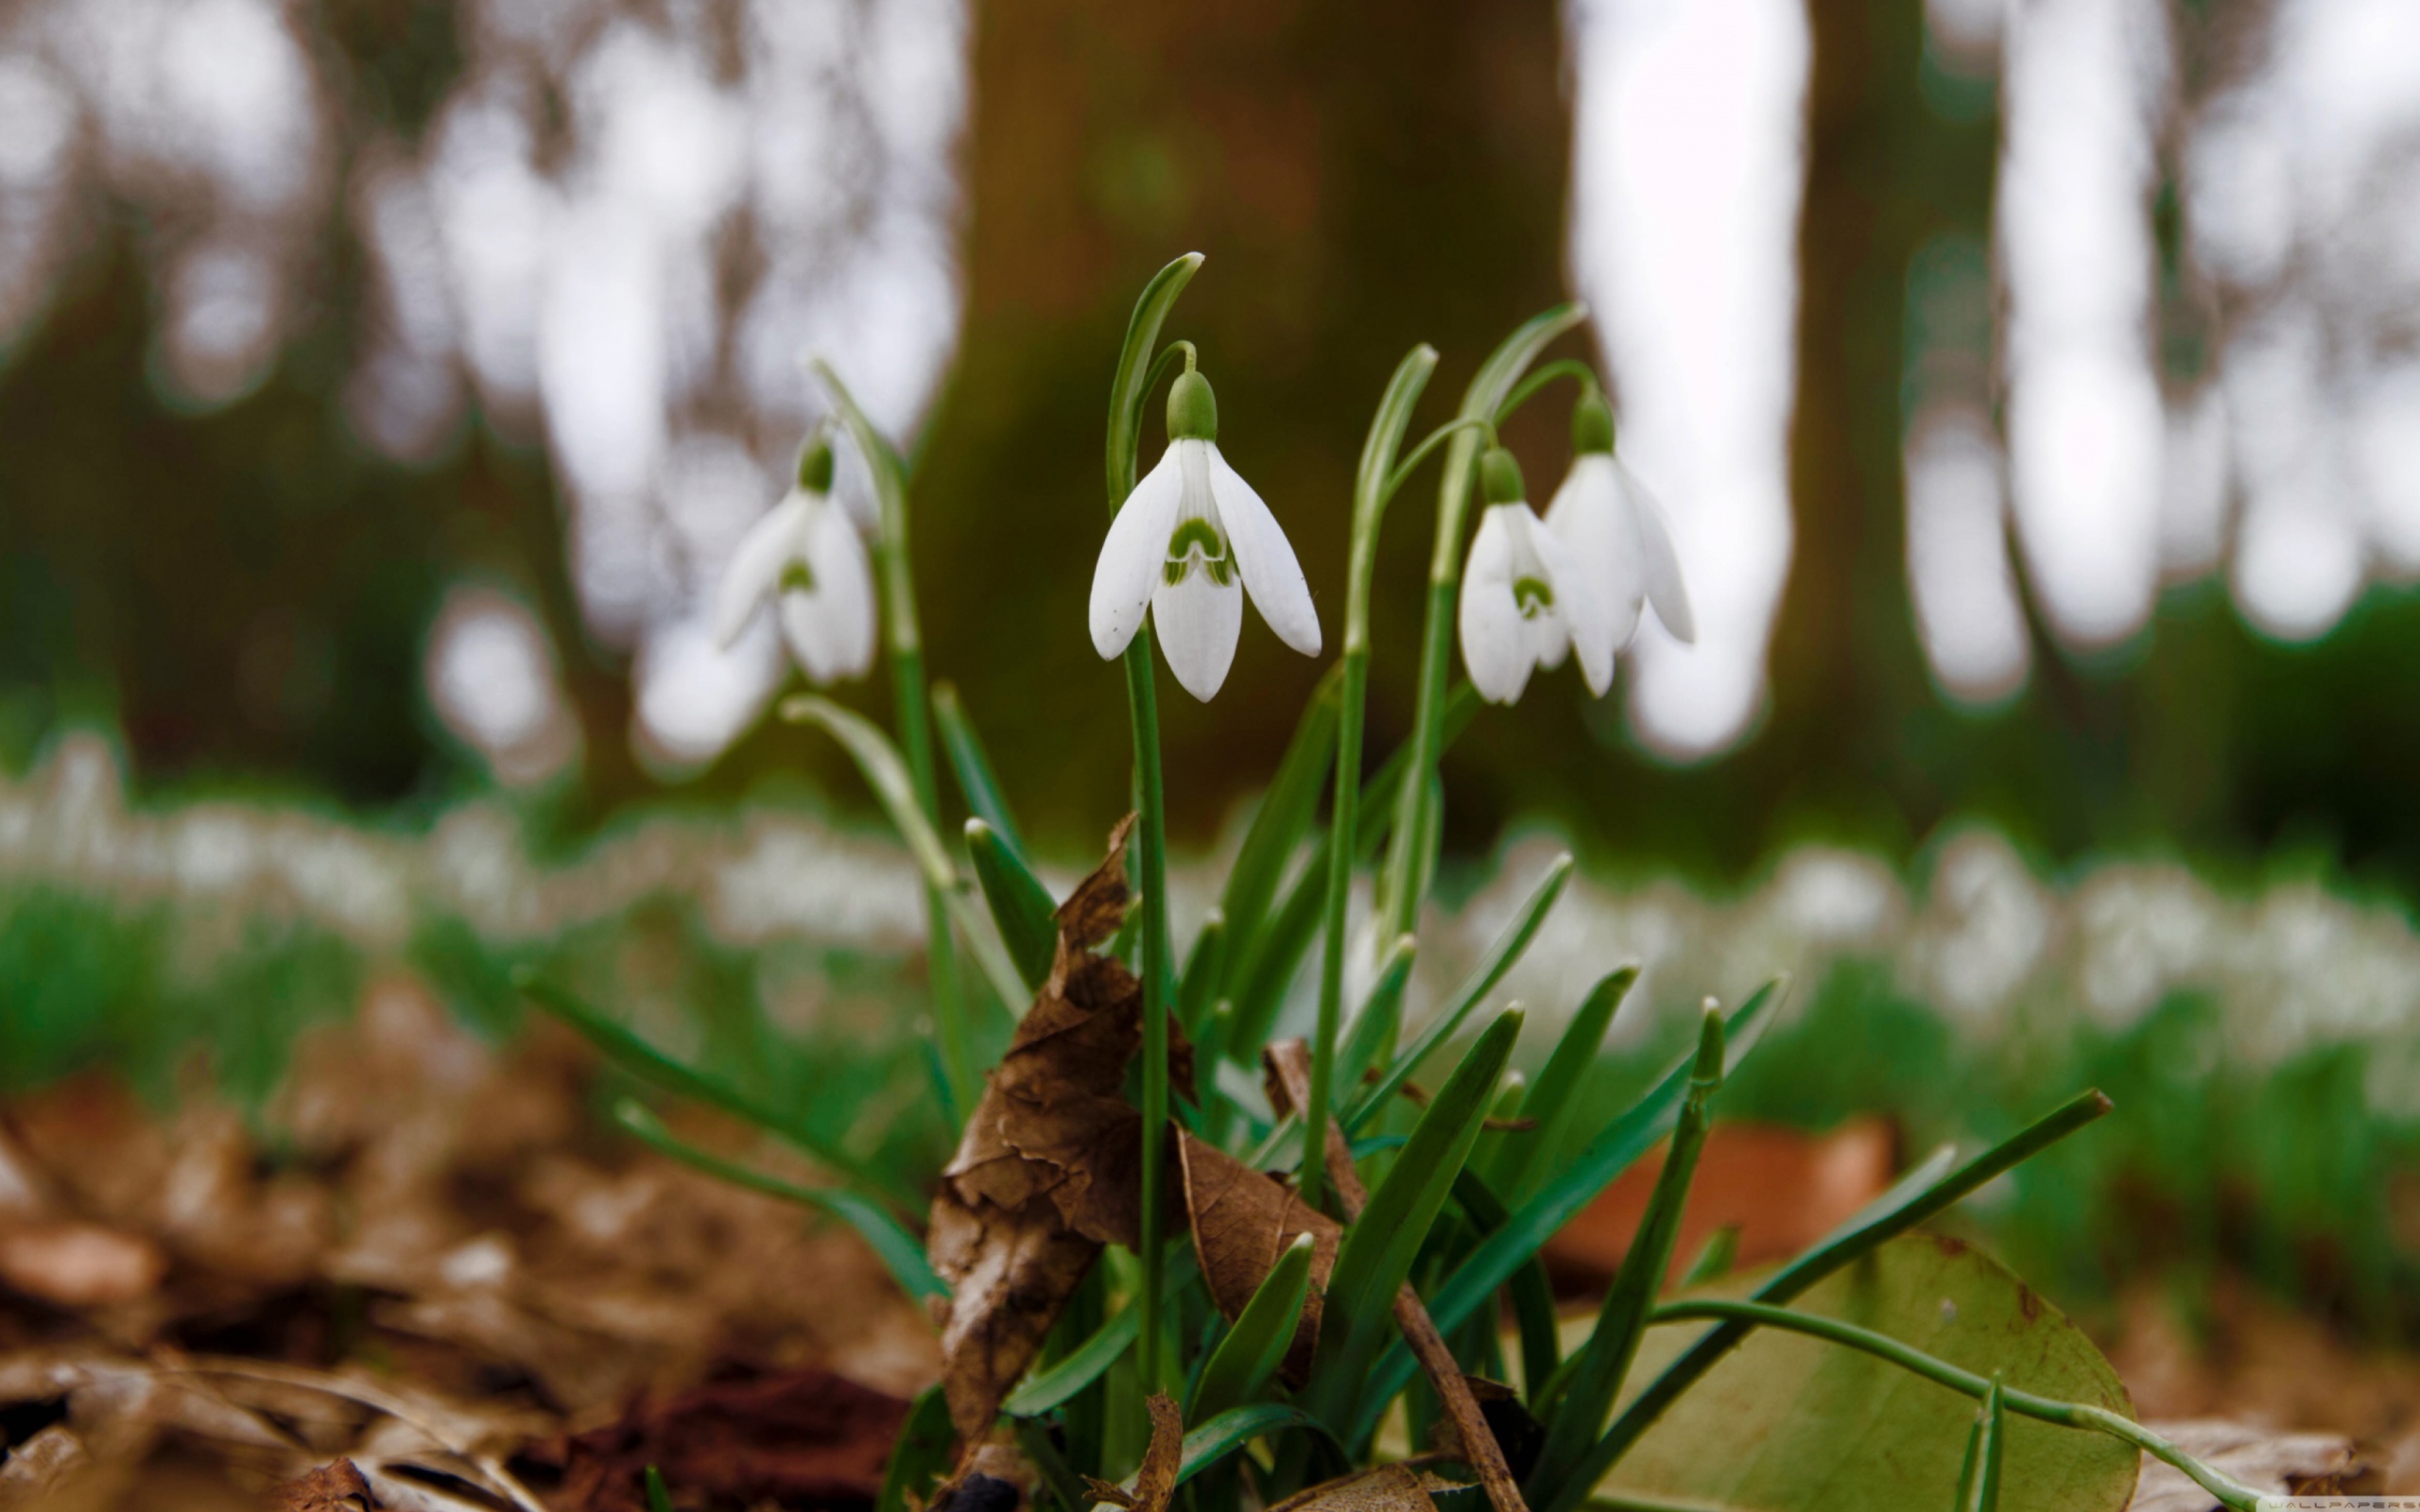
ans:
(244, 590)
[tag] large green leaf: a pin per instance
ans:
(1787, 1423)
(1020, 906)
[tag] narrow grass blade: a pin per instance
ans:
(1286, 817)
(1551, 1105)
(895, 788)
(1381, 1012)
(1501, 958)
(919, 1456)
(1929, 1189)
(634, 1055)
(1378, 1249)
(1255, 1347)
(1605, 1359)
(900, 1251)
(972, 766)
(1045, 1389)
(1608, 1155)
(1979, 1478)
(658, 1498)
(1127, 389)
(1020, 906)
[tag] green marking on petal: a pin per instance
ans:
(797, 578)
(1533, 594)
(1196, 543)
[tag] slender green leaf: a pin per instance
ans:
(1979, 1478)
(887, 773)
(1381, 1012)
(1215, 1439)
(1532, 1296)
(968, 761)
(1588, 1173)
(1045, 1389)
(902, 1252)
(658, 1498)
(1499, 959)
(1926, 1192)
(919, 1456)
(1205, 968)
(1287, 812)
(1020, 906)
(1605, 1359)
(1255, 1347)
(1033, 1437)
(1375, 1256)
(634, 1055)
(1551, 1105)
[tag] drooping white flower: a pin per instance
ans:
(1617, 534)
(806, 556)
(1190, 545)
(1524, 602)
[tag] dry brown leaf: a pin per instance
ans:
(1155, 1482)
(804, 1437)
(2272, 1464)
(1048, 1169)
(333, 1488)
(1399, 1487)
(1244, 1220)
(72, 1263)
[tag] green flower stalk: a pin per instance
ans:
(1398, 893)
(905, 645)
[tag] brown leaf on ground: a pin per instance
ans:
(1048, 1170)
(1155, 1482)
(1396, 1487)
(1244, 1220)
(796, 1439)
(1782, 1188)
(2272, 1464)
(72, 1263)
(335, 1487)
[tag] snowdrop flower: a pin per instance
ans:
(1616, 534)
(806, 557)
(1190, 542)
(1525, 600)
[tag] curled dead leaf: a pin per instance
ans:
(1049, 1166)
(1244, 1220)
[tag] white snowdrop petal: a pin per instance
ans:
(1272, 576)
(844, 591)
(1580, 615)
(1197, 622)
(1666, 587)
(1592, 517)
(1129, 567)
(755, 567)
(809, 637)
(1493, 646)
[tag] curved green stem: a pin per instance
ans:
(1571, 368)
(1127, 391)
(1428, 443)
(1494, 379)
(2229, 1491)
(1373, 484)
(904, 642)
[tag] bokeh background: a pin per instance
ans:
(2036, 388)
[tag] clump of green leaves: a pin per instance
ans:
(1305, 1287)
